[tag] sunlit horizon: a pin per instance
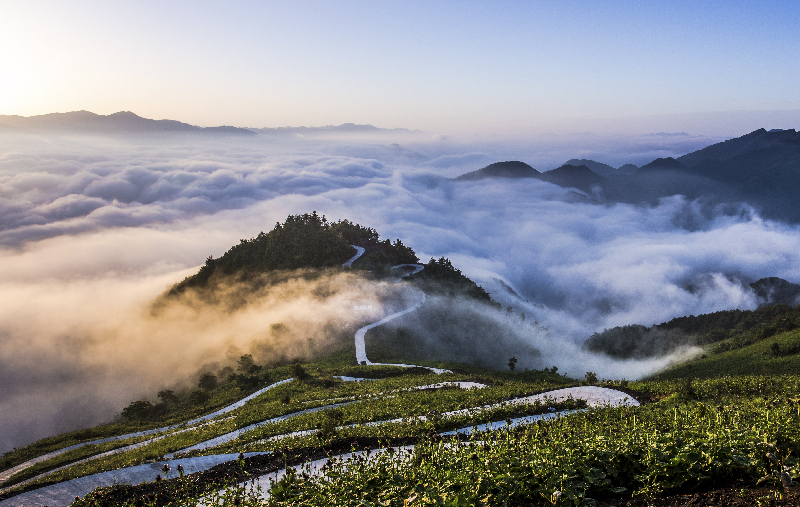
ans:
(442, 67)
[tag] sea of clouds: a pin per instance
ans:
(93, 229)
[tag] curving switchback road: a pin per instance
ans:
(361, 348)
(63, 493)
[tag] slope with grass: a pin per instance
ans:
(776, 355)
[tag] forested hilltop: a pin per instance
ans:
(310, 241)
(726, 330)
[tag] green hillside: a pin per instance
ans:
(776, 355)
(728, 329)
(311, 243)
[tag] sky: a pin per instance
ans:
(501, 68)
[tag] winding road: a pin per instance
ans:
(63, 493)
(361, 348)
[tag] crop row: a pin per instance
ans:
(575, 460)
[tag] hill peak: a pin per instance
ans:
(507, 169)
(667, 163)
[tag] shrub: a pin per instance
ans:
(199, 397)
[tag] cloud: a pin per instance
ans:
(96, 342)
(66, 187)
(92, 230)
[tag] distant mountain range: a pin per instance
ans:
(123, 122)
(761, 168)
(126, 122)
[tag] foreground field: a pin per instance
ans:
(730, 435)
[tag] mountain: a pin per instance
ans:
(604, 170)
(508, 169)
(724, 330)
(774, 290)
(570, 176)
(761, 169)
(776, 144)
(310, 242)
(628, 169)
(123, 122)
(662, 164)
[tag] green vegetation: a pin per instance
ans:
(440, 277)
(777, 355)
(378, 254)
(302, 241)
(575, 460)
(305, 241)
(452, 330)
(729, 329)
(699, 433)
(307, 244)
(369, 401)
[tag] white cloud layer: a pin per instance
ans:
(92, 229)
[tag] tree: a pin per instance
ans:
(246, 382)
(299, 372)
(138, 410)
(512, 363)
(168, 397)
(208, 381)
(225, 374)
(246, 364)
(591, 377)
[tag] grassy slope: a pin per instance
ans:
(754, 359)
(315, 391)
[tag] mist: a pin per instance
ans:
(94, 229)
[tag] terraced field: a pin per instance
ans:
(331, 433)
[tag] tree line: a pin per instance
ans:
(729, 329)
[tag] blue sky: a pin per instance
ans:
(444, 66)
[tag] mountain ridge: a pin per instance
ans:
(122, 122)
(127, 122)
(761, 168)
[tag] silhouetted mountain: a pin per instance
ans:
(509, 169)
(761, 169)
(571, 176)
(774, 291)
(662, 164)
(123, 122)
(596, 167)
(627, 169)
(779, 143)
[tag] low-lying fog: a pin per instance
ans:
(93, 229)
